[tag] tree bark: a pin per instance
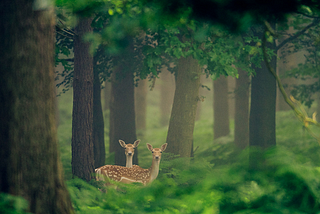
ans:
(30, 165)
(166, 95)
(141, 106)
(98, 123)
(122, 110)
(82, 116)
(186, 97)
(107, 95)
(263, 102)
(221, 108)
(241, 120)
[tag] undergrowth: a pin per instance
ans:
(216, 180)
(284, 186)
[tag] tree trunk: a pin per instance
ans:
(263, 102)
(141, 106)
(122, 111)
(202, 92)
(82, 116)
(231, 81)
(318, 106)
(241, 120)
(220, 108)
(166, 95)
(30, 165)
(98, 124)
(186, 97)
(107, 95)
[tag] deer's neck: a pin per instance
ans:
(154, 169)
(129, 161)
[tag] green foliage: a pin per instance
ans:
(85, 197)
(166, 39)
(284, 185)
(10, 204)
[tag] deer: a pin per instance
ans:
(136, 174)
(129, 151)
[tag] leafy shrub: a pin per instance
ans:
(10, 204)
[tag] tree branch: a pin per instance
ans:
(309, 16)
(314, 23)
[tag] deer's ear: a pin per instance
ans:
(164, 146)
(136, 143)
(149, 147)
(122, 143)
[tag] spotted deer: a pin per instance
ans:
(129, 151)
(134, 174)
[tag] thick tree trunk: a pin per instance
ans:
(82, 116)
(186, 97)
(122, 111)
(263, 102)
(98, 124)
(167, 85)
(220, 108)
(141, 106)
(30, 166)
(241, 120)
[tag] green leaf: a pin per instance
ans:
(110, 11)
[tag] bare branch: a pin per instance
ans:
(291, 38)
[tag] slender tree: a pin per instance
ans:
(318, 107)
(98, 122)
(231, 99)
(82, 116)
(106, 95)
(202, 91)
(30, 165)
(140, 95)
(167, 84)
(221, 108)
